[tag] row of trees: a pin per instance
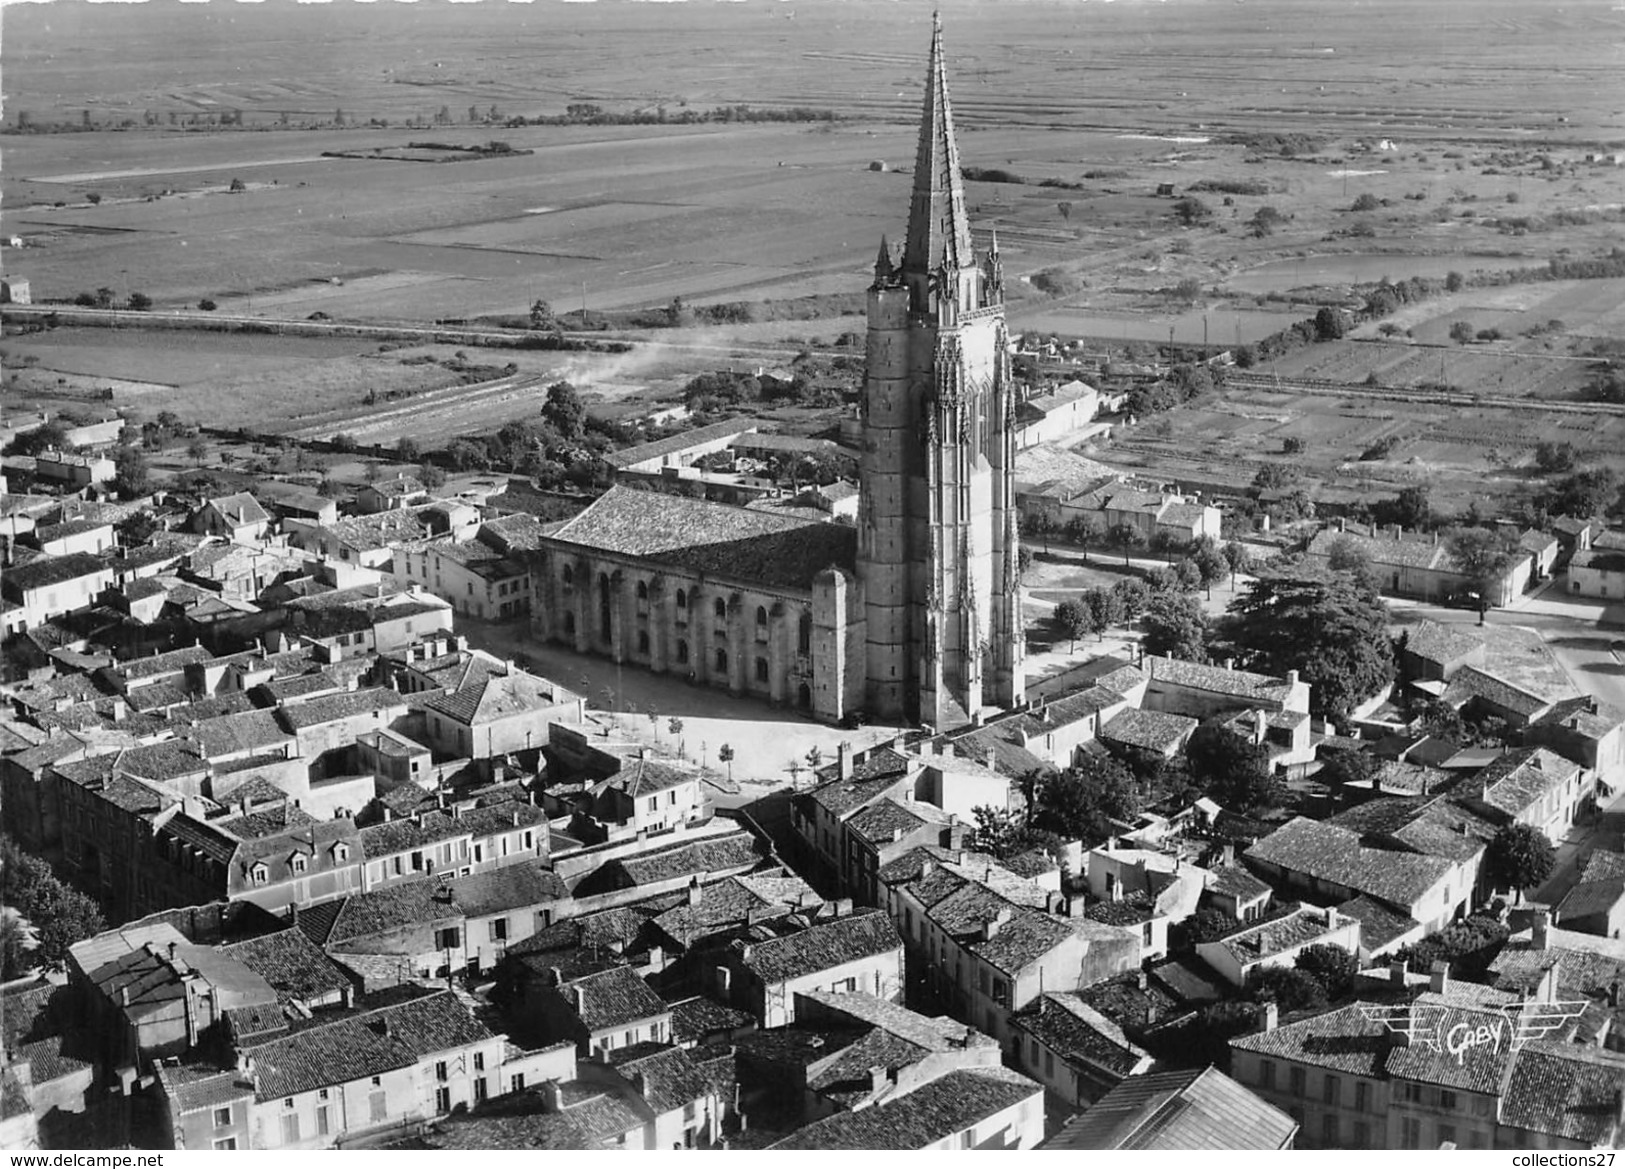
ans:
(56, 915)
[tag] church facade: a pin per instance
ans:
(912, 616)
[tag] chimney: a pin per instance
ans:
(990, 758)
(1613, 993)
(877, 1080)
(843, 755)
(1269, 1016)
(1141, 981)
(555, 976)
(1398, 972)
(1540, 933)
(552, 1098)
(1439, 978)
(695, 893)
(1292, 677)
(1332, 921)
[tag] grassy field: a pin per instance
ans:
(1453, 121)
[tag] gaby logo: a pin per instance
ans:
(1515, 1023)
(1463, 1036)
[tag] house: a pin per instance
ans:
(1541, 548)
(1184, 1111)
(981, 1108)
(857, 952)
(1547, 962)
(238, 518)
(1149, 732)
(1284, 736)
(1354, 1078)
(390, 494)
(1232, 889)
(1597, 572)
(679, 452)
(1586, 731)
(986, 941)
(1534, 786)
(1058, 414)
(371, 541)
(370, 1072)
(1417, 566)
(74, 471)
(1429, 651)
(1595, 906)
(1073, 1050)
(1278, 941)
(474, 577)
(50, 586)
(600, 1012)
(1201, 692)
(496, 709)
(1050, 732)
(453, 838)
(68, 536)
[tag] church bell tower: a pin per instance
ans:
(937, 522)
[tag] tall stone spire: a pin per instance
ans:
(938, 230)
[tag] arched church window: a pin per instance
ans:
(720, 608)
(761, 669)
(682, 652)
(804, 634)
(722, 661)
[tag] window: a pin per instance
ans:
(442, 1099)
(1266, 1073)
(1410, 1133)
(1362, 1096)
(298, 864)
(568, 577)
(447, 939)
(1331, 1090)
(1001, 992)
(1049, 1063)
(761, 669)
(722, 661)
(719, 609)
(643, 641)
(643, 590)
(761, 623)
(341, 852)
(682, 651)
(1295, 1081)
(442, 1071)
(516, 1082)
(1447, 1134)
(480, 1092)
(804, 634)
(690, 1111)
(1362, 1135)
(222, 1118)
(260, 874)
(290, 1129)
(1447, 1100)
(324, 1126)
(654, 803)
(530, 840)
(682, 598)
(967, 1139)
(1145, 935)
(629, 1038)
(479, 1061)
(570, 624)
(377, 1105)
(225, 1144)
(1328, 1131)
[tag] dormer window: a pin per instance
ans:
(259, 874)
(298, 863)
(341, 853)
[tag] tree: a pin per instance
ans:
(1519, 857)
(1080, 802)
(1454, 282)
(136, 529)
(1038, 525)
(1211, 564)
(1127, 537)
(1412, 508)
(1555, 457)
(197, 450)
(1191, 211)
(206, 305)
(1331, 627)
(432, 476)
(1264, 221)
(61, 916)
(1133, 596)
(93, 198)
(541, 314)
(1176, 626)
(407, 450)
(1234, 771)
(1083, 531)
(1366, 202)
(1024, 561)
(1346, 556)
(1238, 558)
(237, 185)
(1209, 925)
(1484, 557)
(725, 755)
(1342, 768)
(1329, 324)
(1072, 616)
(1462, 332)
(1104, 608)
(1290, 989)
(130, 472)
(1585, 493)
(104, 298)
(1331, 966)
(1188, 290)
(564, 411)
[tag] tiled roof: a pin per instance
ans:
(643, 452)
(291, 963)
(1522, 778)
(194, 1087)
(881, 819)
(492, 697)
(865, 934)
(411, 903)
(1589, 963)
(54, 570)
(1599, 560)
(1152, 730)
(1235, 881)
(1601, 864)
(1074, 1030)
(1185, 1110)
(1480, 1068)
(931, 1113)
(1592, 897)
(719, 540)
(1299, 927)
(1379, 924)
(1433, 642)
(1589, 716)
(511, 887)
(1565, 1091)
(252, 730)
(1342, 1040)
(644, 777)
(361, 1045)
(333, 707)
(928, 1032)
(1215, 679)
(1334, 854)
(693, 1020)
(1470, 682)
(668, 1079)
(696, 857)
(613, 998)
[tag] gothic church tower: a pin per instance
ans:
(937, 526)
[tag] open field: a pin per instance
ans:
(1466, 128)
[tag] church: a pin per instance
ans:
(914, 615)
